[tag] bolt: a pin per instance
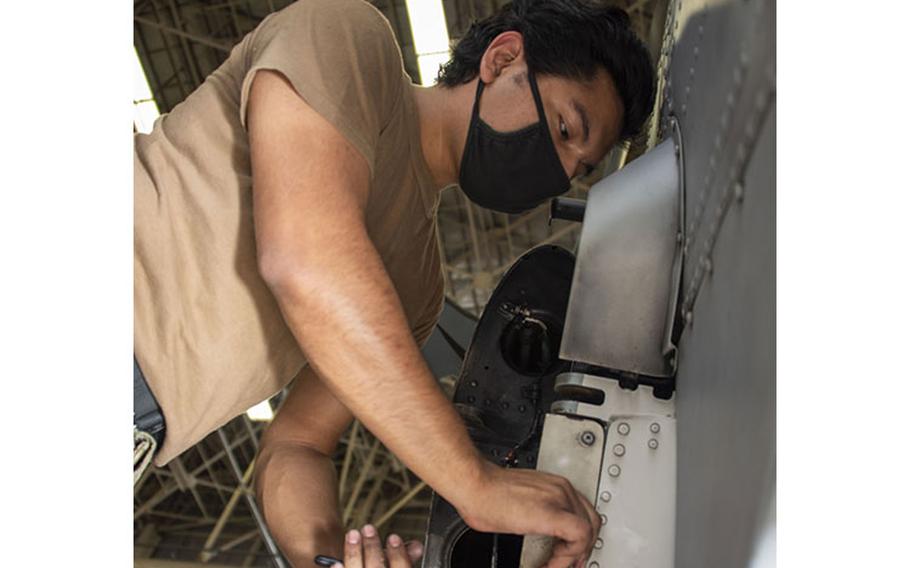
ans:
(707, 265)
(522, 408)
(655, 427)
(652, 443)
(738, 191)
(619, 450)
(473, 383)
(504, 405)
(614, 470)
(603, 520)
(689, 317)
(594, 565)
(605, 497)
(695, 51)
(587, 438)
(623, 428)
(679, 238)
(599, 543)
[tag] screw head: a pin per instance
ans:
(652, 443)
(587, 438)
(594, 565)
(623, 428)
(605, 497)
(614, 470)
(603, 520)
(599, 543)
(619, 450)
(689, 317)
(739, 191)
(655, 427)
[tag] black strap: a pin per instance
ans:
(147, 414)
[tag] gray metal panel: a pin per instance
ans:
(623, 282)
(726, 388)
(717, 81)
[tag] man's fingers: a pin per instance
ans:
(415, 550)
(397, 553)
(353, 558)
(373, 556)
(574, 534)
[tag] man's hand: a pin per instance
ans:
(519, 501)
(364, 550)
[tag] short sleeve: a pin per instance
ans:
(340, 56)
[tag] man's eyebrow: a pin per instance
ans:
(585, 125)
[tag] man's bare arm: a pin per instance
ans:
(310, 190)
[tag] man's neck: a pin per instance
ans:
(444, 114)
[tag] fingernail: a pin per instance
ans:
(369, 531)
(394, 541)
(353, 536)
(336, 565)
(417, 548)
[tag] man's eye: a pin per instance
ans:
(563, 130)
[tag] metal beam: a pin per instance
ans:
(187, 35)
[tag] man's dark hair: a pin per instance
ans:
(567, 38)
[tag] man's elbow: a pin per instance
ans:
(285, 274)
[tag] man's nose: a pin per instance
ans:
(572, 164)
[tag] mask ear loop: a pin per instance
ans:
(532, 79)
(475, 113)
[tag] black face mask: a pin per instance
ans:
(511, 172)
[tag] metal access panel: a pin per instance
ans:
(717, 79)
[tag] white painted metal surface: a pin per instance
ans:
(573, 448)
(636, 492)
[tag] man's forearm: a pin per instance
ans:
(296, 488)
(348, 319)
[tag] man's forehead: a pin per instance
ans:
(597, 101)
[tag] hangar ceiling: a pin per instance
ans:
(196, 508)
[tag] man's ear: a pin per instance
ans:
(506, 49)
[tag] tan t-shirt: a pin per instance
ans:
(208, 333)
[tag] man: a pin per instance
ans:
(285, 224)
